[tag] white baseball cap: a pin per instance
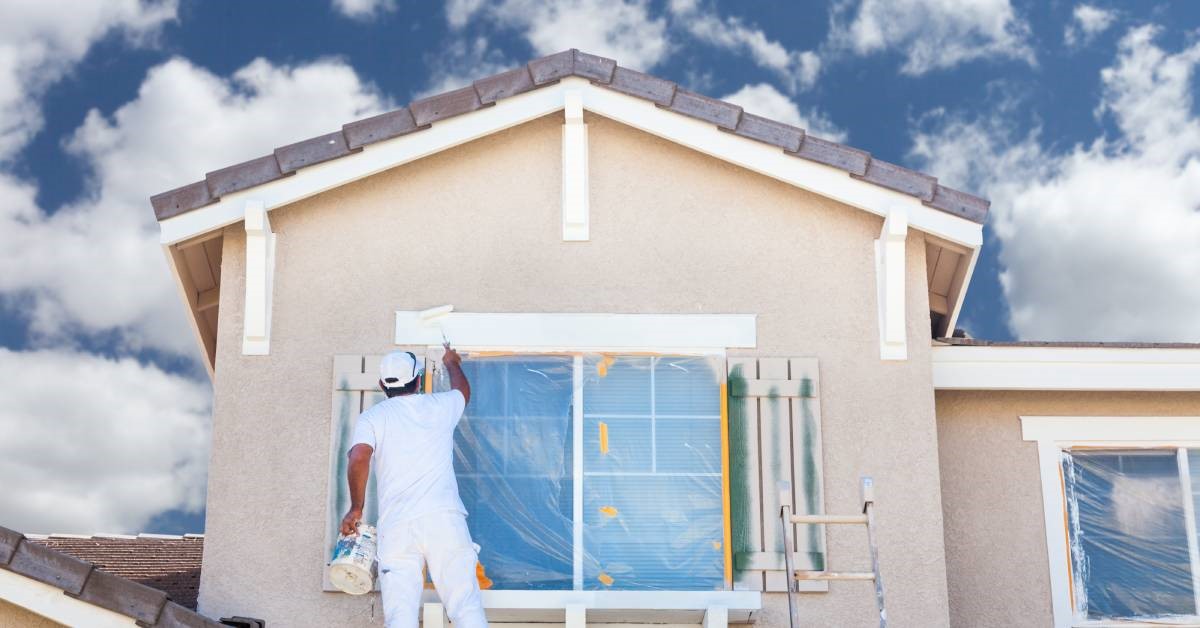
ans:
(401, 366)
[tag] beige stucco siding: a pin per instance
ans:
(996, 558)
(479, 226)
(13, 616)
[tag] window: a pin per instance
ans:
(1119, 497)
(634, 503)
(1129, 513)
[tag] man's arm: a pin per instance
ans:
(356, 473)
(458, 380)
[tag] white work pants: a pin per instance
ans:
(441, 540)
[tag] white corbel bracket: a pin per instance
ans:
(260, 273)
(889, 279)
(575, 169)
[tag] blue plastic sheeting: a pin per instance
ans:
(652, 503)
(1128, 533)
(652, 509)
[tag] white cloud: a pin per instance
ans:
(363, 9)
(41, 40)
(1087, 21)
(95, 445)
(95, 266)
(1098, 242)
(461, 62)
(798, 69)
(764, 100)
(932, 34)
(620, 29)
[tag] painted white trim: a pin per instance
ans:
(1065, 368)
(711, 333)
(1056, 433)
(716, 617)
(576, 616)
(260, 274)
(51, 602)
(1189, 513)
(617, 600)
(889, 283)
(192, 315)
(575, 169)
(956, 309)
(577, 474)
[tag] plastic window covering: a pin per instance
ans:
(1129, 513)
(651, 485)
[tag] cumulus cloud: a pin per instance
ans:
(363, 9)
(797, 68)
(1086, 23)
(462, 61)
(95, 445)
(41, 40)
(620, 29)
(1100, 241)
(931, 34)
(765, 100)
(95, 266)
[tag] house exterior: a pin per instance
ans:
(667, 306)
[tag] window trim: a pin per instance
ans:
(1053, 434)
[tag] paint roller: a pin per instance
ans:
(431, 316)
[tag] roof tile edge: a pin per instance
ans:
(422, 113)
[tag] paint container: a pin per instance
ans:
(352, 568)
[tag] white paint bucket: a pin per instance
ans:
(353, 565)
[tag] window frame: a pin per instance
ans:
(433, 356)
(1055, 434)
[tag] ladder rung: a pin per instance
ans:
(817, 519)
(835, 575)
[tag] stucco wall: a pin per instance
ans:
(996, 559)
(672, 231)
(13, 616)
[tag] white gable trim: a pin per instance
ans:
(889, 283)
(52, 603)
(640, 114)
(685, 333)
(1065, 368)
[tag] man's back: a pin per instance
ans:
(413, 439)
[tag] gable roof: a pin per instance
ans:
(39, 560)
(485, 92)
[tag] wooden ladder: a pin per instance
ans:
(867, 518)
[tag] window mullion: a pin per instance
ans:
(653, 419)
(577, 472)
(1189, 510)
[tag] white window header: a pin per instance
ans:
(687, 333)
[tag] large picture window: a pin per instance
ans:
(594, 472)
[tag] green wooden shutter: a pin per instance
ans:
(774, 435)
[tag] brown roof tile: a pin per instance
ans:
(851, 160)
(504, 84)
(242, 176)
(378, 128)
(311, 151)
(445, 105)
(718, 112)
(9, 540)
(769, 131)
(544, 71)
(898, 178)
(168, 564)
(181, 199)
(634, 83)
(123, 596)
(46, 565)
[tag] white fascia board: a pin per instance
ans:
(373, 159)
(1120, 430)
(771, 161)
(685, 333)
(956, 309)
(1065, 368)
(51, 602)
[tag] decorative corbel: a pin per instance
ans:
(575, 169)
(260, 273)
(889, 279)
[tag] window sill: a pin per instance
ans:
(616, 606)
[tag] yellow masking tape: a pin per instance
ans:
(603, 437)
(608, 511)
(603, 364)
(481, 575)
(605, 579)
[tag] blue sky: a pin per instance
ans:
(1078, 120)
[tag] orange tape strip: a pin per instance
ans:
(603, 437)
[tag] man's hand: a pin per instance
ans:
(451, 357)
(350, 522)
